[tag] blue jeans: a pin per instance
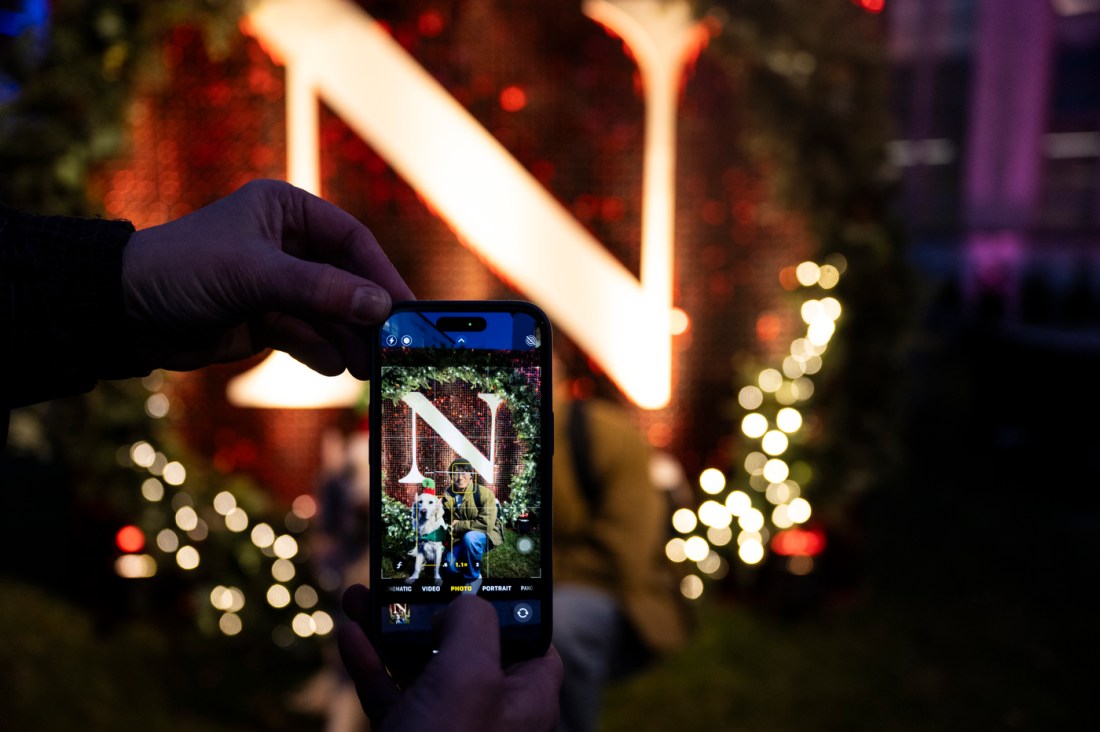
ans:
(465, 556)
(587, 631)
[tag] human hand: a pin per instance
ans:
(463, 687)
(268, 266)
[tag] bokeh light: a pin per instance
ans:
(754, 425)
(224, 502)
(719, 535)
(135, 566)
(684, 520)
(236, 520)
(130, 539)
(283, 570)
(774, 442)
(187, 557)
(738, 502)
(303, 625)
(750, 552)
(770, 380)
(305, 597)
(174, 474)
(788, 419)
(799, 510)
(750, 397)
(712, 481)
(186, 518)
(156, 406)
(807, 273)
(751, 520)
(278, 596)
(322, 622)
(152, 489)
(285, 547)
(696, 548)
(230, 624)
(167, 541)
(691, 587)
(142, 454)
(776, 470)
(304, 506)
(674, 549)
(714, 515)
(263, 535)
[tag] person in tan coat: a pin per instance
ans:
(615, 594)
(471, 512)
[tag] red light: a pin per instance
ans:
(871, 6)
(799, 542)
(130, 539)
(430, 23)
(788, 278)
(513, 99)
(768, 327)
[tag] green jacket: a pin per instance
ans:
(478, 512)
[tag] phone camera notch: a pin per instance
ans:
(461, 324)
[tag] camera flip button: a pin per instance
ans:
(522, 612)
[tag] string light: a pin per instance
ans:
(712, 481)
(230, 624)
(767, 472)
(184, 512)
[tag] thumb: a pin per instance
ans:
(314, 290)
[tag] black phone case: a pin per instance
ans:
(407, 651)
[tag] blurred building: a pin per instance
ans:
(997, 106)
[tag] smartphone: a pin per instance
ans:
(461, 444)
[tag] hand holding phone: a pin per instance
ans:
(461, 444)
(460, 689)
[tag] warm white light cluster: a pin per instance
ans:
(163, 472)
(315, 623)
(772, 419)
(135, 566)
(188, 528)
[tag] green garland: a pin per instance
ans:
(487, 375)
(399, 527)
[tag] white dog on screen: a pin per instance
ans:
(431, 530)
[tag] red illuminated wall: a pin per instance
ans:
(561, 95)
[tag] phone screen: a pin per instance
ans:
(461, 440)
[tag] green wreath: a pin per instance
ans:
(487, 375)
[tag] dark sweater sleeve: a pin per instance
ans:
(63, 322)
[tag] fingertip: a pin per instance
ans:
(355, 649)
(370, 304)
(375, 688)
(470, 616)
(356, 601)
(557, 666)
(472, 608)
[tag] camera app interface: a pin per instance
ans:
(460, 400)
